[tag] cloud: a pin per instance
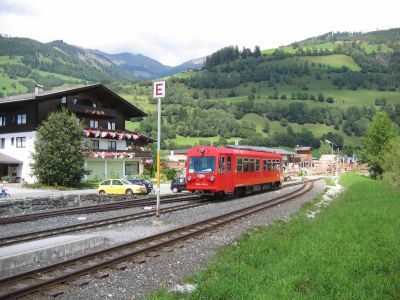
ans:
(8, 7)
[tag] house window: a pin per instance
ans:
(21, 142)
(21, 119)
(112, 145)
(2, 143)
(94, 144)
(111, 126)
(3, 121)
(131, 168)
(94, 124)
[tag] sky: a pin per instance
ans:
(174, 31)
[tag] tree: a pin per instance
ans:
(267, 126)
(391, 163)
(283, 121)
(59, 154)
(325, 147)
(375, 142)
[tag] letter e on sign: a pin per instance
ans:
(159, 89)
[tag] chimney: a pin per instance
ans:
(39, 89)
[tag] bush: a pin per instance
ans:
(5, 178)
(170, 173)
(329, 100)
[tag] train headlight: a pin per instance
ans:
(211, 178)
(189, 178)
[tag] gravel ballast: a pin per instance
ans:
(170, 268)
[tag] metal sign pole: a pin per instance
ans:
(158, 155)
(158, 92)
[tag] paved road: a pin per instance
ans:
(16, 191)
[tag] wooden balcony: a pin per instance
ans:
(91, 111)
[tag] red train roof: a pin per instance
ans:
(208, 151)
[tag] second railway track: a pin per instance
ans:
(96, 208)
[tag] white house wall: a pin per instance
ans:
(21, 154)
(25, 156)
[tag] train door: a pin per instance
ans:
(225, 172)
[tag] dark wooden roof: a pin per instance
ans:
(127, 109)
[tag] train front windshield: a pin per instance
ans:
(202, 164)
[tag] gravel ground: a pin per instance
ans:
(169, 268)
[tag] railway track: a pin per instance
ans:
(82, 269)
(96, 208)
(103, 207)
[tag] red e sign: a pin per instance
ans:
(159, 89)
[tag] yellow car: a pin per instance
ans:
(120, 186)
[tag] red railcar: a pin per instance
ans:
(220, 170)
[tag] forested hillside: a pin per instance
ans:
(326, 87)
(25, 63)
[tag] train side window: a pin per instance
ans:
(273, 165)
(239, 164)
(278, 165)
(245, 165)
(264, 165)
(229, 164)
(269, 165)
(221, 167)
(251, 163)
(257, 165)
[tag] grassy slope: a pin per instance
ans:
(334, 61)
(6, 83)
(349, 251)
(343, 100)
(317, 129)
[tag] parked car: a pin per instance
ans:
(178, 184)
(146, 183)
(120, 186)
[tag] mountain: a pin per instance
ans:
(26, 62)
(144, 67)
(138, 65)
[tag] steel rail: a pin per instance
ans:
(94, 208)
(30, 236)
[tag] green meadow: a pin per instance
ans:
(349, 250)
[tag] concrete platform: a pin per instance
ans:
(40, 251)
